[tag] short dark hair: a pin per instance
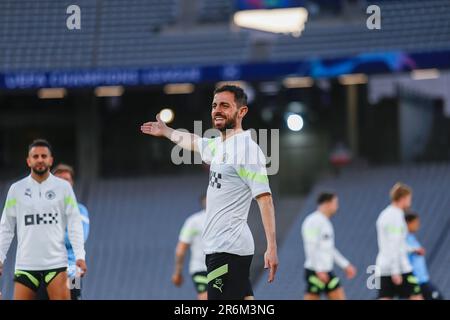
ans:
(40, 143)
(62, 167)
(240, 97)
(410, 216)
(325, 197)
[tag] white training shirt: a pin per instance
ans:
(318, 242)
(191, 233)
(392, 231)
(41, 212)
(237, 174)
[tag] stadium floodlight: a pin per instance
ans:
(425, 74)
(109, 91)
(179, 88)
(294, 122)
(285, 20)
(167, 115)
(298, 82)
(353, 79)
(52, 93)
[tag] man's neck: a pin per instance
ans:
(324, 213)
(397, 206)
(40, 178)
(230, 132)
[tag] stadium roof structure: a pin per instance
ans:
(37, 50)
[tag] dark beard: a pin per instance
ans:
(229, 124)
(40, 172)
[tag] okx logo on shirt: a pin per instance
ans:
(37, 219)
(215, 179)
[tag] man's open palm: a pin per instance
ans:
(156, 128)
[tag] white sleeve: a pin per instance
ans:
(340, 260)
(188, 232)
(252, 170)
(311, 241)
(74, 224)
(393, 233)
(7, 224)
(207, 149)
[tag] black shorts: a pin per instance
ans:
(316, 286)
(75, 293)
(33, 279)
(200, 281)
(228, 276)
(430, 292)
(409, 287)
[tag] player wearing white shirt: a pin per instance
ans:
(237, 174)
(321, 253)
(41, 206)
(191, 236)
(397, 279)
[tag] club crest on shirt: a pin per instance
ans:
(50, 195)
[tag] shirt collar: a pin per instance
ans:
(43, 183)
(241, 134)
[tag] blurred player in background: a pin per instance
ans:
(321, 253)
(397, 279)
(191, 236)
(237, 174)
(67, 173)
(42, 206)
(416, 255)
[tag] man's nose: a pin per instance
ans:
(218, 110)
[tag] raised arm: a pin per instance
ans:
(158, 128)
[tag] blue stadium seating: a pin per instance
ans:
(363, 194)
(135, 223)
(134, 230)
(138, 33)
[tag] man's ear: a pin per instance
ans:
(243, 111)
(28, 162)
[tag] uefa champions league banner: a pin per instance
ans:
(370, 63)
(267, 4)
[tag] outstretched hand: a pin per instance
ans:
(154, 128)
